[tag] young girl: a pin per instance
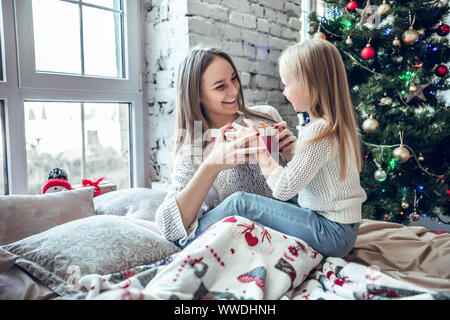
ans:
(324, 171)
(209, 94)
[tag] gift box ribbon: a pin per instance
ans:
(89, 183)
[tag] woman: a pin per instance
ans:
(210, 96)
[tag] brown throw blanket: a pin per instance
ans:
(412, 254)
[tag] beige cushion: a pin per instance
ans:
(138, 203)
(22, 216)
(104, 244)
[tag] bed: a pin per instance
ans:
(72, 246)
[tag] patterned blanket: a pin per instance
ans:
(237, 259)
(234, 259)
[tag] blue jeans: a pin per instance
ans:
(329, 238)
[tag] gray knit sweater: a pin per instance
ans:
(246, 177)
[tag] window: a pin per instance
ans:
(74, 46)
(3, 162)
(84, 139)
(307, 6)
(75, 99)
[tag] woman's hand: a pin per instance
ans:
(228, 154)
(287, 140)
(265, 161)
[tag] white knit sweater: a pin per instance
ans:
(313, 174)
(246, 177)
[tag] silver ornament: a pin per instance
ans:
(380, 175)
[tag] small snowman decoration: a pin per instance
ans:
(57, 182)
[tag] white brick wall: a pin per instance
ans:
(253, 32)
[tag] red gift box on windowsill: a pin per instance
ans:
(100, 186)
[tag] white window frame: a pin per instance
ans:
(24, 84)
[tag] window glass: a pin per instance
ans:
(87, 140)
(3, 174)
(61, 47)
(57, 43)
(102, 42)
(107, 142)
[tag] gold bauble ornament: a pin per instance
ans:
(410, 36)
(401, 153)
(386, 101)
(349, 41)
(319, 35)
(370, 125)
(396, 42)
(383, 9)
(405, 205)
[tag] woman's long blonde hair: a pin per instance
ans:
(317, 65)
(188, 106)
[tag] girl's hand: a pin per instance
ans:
(227, 154)
(287, 140)
(265, 161)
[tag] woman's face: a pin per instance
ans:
(295, 93)
(219, 92)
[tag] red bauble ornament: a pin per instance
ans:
(441, 71)
(352, 5)
(368, 52)
(443, 30)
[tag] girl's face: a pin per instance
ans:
(295, 93)
(219, 91)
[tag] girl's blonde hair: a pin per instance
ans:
(317, 65)
(188, 106)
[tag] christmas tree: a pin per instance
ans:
(395, 53)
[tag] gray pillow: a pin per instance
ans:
(139, 203)
(60, 256)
